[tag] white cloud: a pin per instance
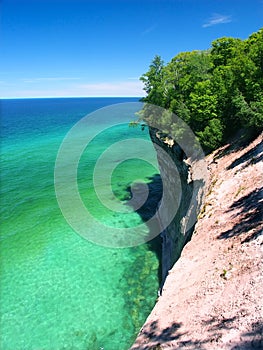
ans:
(102, 89)
(149, 30)
(123, 88)
(36, 80)
(217, 19)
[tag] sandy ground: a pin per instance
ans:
(213, 295)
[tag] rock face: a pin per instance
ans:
(212, 296)
(185, 185)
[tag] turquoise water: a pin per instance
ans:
(58, 290)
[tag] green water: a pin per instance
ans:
(58, 290)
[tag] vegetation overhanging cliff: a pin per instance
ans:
(216, 92)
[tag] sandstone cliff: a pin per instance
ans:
(185, 187)
(212, 296)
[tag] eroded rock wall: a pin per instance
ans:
(185, 183)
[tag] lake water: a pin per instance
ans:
(59, 290)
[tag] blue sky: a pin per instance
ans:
(102, 47)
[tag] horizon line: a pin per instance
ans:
(45, 97)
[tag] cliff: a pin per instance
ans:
(212, 296)
(185, 182)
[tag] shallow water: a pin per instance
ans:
(58, 290)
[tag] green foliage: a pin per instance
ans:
(153, 79)
(212, 136)
(203, 105)
(216, 92)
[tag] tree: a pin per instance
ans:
(216, 91)
(203, 105)
(223, 50)
(152, 81)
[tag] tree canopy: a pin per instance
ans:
(216, 92)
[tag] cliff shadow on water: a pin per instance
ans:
(148, 210)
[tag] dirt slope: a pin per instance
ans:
(212, 298)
